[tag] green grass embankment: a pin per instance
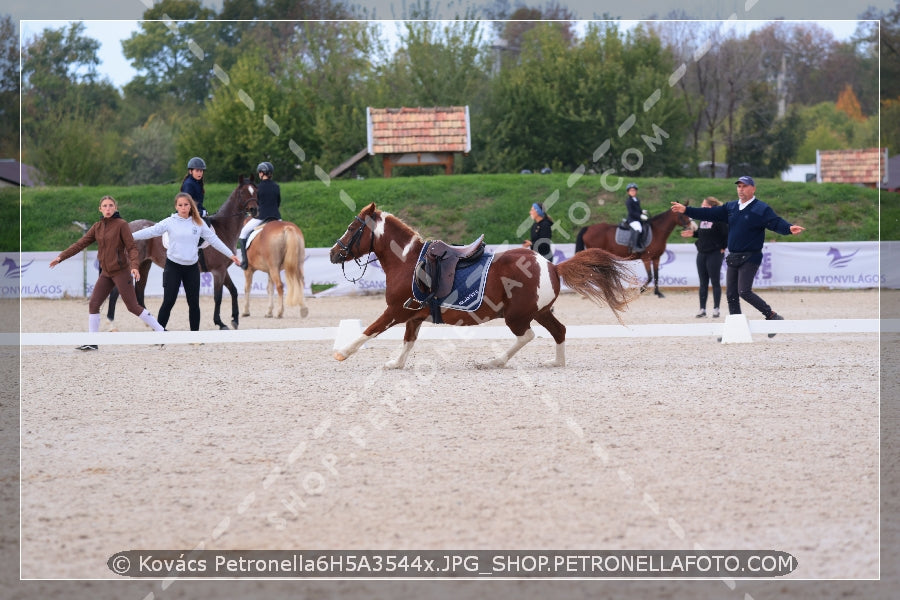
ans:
(458, 208)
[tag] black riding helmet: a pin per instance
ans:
(196, 163)
(266, 168)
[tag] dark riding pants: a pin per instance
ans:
(739, 283)
(175, 276)
(709, 269)
(105, 284)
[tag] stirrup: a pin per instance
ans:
(409, 304)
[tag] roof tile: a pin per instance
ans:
(418, 129)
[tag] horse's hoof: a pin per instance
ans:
(234, 324)
(223, 326)
(269, 316)
(339, 356)
(304, 312)
(246, 314)
(660, 294)
(497, 363)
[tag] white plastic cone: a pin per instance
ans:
(348, 330)
(736, 330)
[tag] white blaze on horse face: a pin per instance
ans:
(545, 293)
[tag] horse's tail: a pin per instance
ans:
(579, 239)
(294, 254)
(602, 277)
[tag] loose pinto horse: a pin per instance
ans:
(603, 236)
(521, 286)
(279, 245)
(227, 223)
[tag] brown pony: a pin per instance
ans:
(279, 245)
(603, 235)
(227, 223)
(521, 286)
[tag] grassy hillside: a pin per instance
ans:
(458, 208)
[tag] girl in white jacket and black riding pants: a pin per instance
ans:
(185, 229)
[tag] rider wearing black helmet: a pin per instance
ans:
(268, 198)
(636, 216)
(193, 182)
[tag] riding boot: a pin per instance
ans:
(243, 244)
(635, 236)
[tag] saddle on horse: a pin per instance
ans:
(636, 241)
(256, 230)
(435, 271)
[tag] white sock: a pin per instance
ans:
(149, 319)
(93, 322)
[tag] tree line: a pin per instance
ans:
(289, 82)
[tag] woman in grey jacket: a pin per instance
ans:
(185, 228)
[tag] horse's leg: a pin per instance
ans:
(521, 340)
(248, 285)
(558, 331)
(656, 278)
(275, 278)
(409, 340)
(378, 326)
(649, 270)
(111, 309)
(270, 291)
(520, 324)
(141, 284)
(235, 309)
(218, 282)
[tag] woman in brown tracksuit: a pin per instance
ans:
(118, 257)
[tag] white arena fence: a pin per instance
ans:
(844, 265)
(735, 329)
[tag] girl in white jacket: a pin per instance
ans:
(185, 229)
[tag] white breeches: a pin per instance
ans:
(248, 227)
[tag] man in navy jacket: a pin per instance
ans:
(748, 218)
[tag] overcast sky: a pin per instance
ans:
(111, 21)
(393, 9)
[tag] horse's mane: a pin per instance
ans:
(665, 213)
(232, 198)
(402, 225)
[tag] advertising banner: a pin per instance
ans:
(844, 265)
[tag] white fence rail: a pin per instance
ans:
(350, 328)
(845, 265)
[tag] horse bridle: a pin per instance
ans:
(247, 211)
(240, 210)
(346, 252)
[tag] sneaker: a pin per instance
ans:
(701, 314)
(87, 347)
(774, 317)
(715, 313)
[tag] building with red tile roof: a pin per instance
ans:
(863, 167)
(414, 136)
